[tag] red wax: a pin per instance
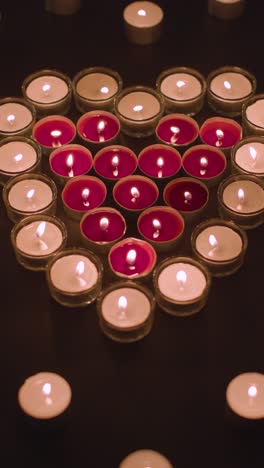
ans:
(72, 193)
(171, 224)
(82, 160)
(149, 161)
(193, 162)
(185, 194)
(98, 126)
(54, 131)
(232, 132)
(147, 192)
(104, 166)
(145, 258)
(177, 129)
(90, 225)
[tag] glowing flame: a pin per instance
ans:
(227, 85)
(180, 84)
(181, 277)
(252, 391)
(104, 90)
(135, 194)
(219, 134)
(41, 229)
(241, 195)
(131, 257)
(160, 162)
(157, 225)
(11, 119)
(104, 223)
(122, 303)
(213, 241)
(46, 389)
(69, 163)
(115, 161)
(142, 13)
(46, 88)
(55, 133)
(85, 195)
(101, 126)
(138, 108)
(18, 157)
(204, 162)
(175, 130)
(79, 270)
(30, 194)
(253, 153)
(187, 197)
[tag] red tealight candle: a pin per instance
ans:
(187, 195)
(83, 193)
(98, 127)
(162, 226)
(70, 161)
(177, 130)
(132, 258)
(135, 193)
(53, 131)
(221, 132)
(101, 228)
(204, 162)
(159, 161)
(115, 162)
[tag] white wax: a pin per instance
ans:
(27, 240)
(17, 156)
(58, 89)
(192, 289)
(229, 243)
(240, 85)
(22, 117)
(44, 395)
(245, 160)
(138, 106)
(255, 113)
(145, 459)
(63, 274)
(143, 14)
(189, 87)
(97, 86)
(136, 312)
(19, 200)
(253, 193)
(245, 395)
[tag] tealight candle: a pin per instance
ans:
(18, 155)
(226, 9)
(63, 7)
(245, 395)
(132, 258)
(139, 109)
(183, 90)
(206, 163)
(98, 128)
(145, 459)
(70, 161)
(220, 245)
(81, 194)
(159, 162)
(241, 199)
(96, 88)
(44, 395)
(221, 133)
(143, 22)
(53, 131)
(115, 162)
(17, 117)
(48, 91)
(252, 116)
(247, 156)
(74, 277)
(161, 226)
(177, 130)
(29, 194)
(36, 239)
(126, 311)
(181, 286)
(101, 228)
(228, 88)
(135, 193)
(187, 195)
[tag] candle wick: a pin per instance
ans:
(115, 163)
(220, 136)
(157, 225)
(131, 259)
(174, 137)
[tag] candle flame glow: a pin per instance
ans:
(85, 195)
(138, 108)
(46, 389)
(241, 195)
(253, 153)
(55, 133)
(204, 161)
(213, 241)
(227, 85)
(142, 13)
(11, 119)
(157, 225)
(122, 303)
(80, 267)
(252, 391)
(104, 90)
(187, 197)
(18, 157)
(104, 223)
(69, 163)
(219, 134)
(30, 194)
(175, 130)
(160, 162)
(115, 161)
(181, 277)
(40, 229)
(101, 126)
(180, 84)
(46, 88)
(131, 257)
(135, 194)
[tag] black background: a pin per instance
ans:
(166, 392)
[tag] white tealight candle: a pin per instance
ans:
(30, 195)
(39, 238)
(14, 117)
(97, 86)
(145, 459)
(244, 196)
(143, 21)
(44, 395)
(245, 395)
(255, 113)
(250, 157)
(231, 86)
(226, 9)
(47, 89)
(17, 156)
(219, 243)
(181, 86)
(73, 273)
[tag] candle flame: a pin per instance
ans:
(46, 88)
(142, 13)
(30, 194)
(213, 241)
(85, 195)
(157, 225)
(181, 277)
(101, 126)
(104, 90)
(253, 153)
(174, 129)
(131, 258)
(104, 223)
(219, 134)
(187, 197)
(115, 161)
(55, 133)
(41, 229)
(46, 389)
(252, 391)
(204, 161)
(122, 303)
(138, 108)
(160, 162)
(11, 119)
(80, 267)
(135, 194)
(241, 195)
(69, 163)
(18, 157)
(227, 85)
(180, 84)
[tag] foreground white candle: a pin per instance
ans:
(181, 86)
(17, 156)
(97, 86)
(244, 196)
(44, 395)
(39, 238)
(182, 282)
(145, 459)
(231, 86)
(30, 195)
(219, 243)
(255, 113)
(143, 21)
(139, 106)
(250, 157)
(245, 395)
(73, 273)
(47, 89)
(14, 117)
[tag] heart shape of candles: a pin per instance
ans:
(115, 162)
(70, 161)
(98, 127)
(177, 130)
(159, 161)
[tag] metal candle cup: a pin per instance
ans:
(53, 131)
(205, 163)
(183, 90)
(221, 133)
(226, 9)
(247, 157)
(115, 162)
(69, 161)
(98, 128)
(17, 117)
(220, 246)
(134, 194)
(252, 116)
(241, 199)
(143, 22)
(95, 88)
(177, 130)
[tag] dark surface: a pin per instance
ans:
(166, 392)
